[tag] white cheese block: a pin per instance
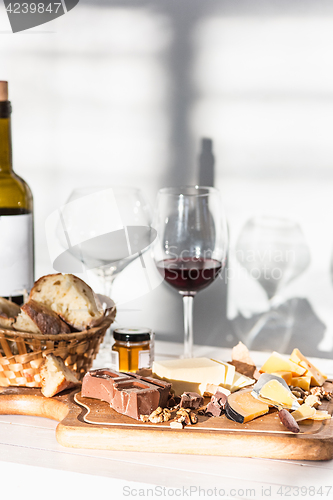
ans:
(190, 375)
(229, 373)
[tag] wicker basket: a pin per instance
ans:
(21, 353)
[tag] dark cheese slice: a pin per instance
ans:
(242, 407)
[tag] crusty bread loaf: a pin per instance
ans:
(8, 312)
(37, 318)
(56, 376)
(71, 298)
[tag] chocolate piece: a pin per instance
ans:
(214, 409)
(127, 393)
(135, 398)
(191, 400)
(220, 398)
(162, 386)
(173, 401)
(99, 384)
(217, 404)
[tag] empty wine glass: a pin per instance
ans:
(103, 229)
(191, 244)
(274, 252)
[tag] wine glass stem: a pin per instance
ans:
(188, 325)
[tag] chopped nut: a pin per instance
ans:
(166, 415)
(321, 393)
(144, 418)
(312, 400)
(156, 419)
(156, 412)
(187, 420)
(183, 412)
(176, 425)
(297, 393)
(194, 418)
(298, 389)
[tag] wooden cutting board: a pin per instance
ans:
(263, 437)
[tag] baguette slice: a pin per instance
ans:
(37, 318)
(8, 312)
(71, 298)
(56, 376)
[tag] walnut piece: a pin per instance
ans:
(321, 393)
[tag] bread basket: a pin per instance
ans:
(22, 353)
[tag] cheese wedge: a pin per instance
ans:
(190, 375)
(276, 362)
(229, 373)
(302, 382)
(241, 381)
(277, 393)
(317, 377)
(287, 376)
(303, 412)
(243, 407)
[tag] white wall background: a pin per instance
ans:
(120, 92)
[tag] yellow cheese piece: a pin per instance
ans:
(229, 373)
(287, 376)
(303, 412)
(276, 362)
(321, 415)
(302, 382)
(243, 407)
(277, 393)
(190, 375)
(317, 377)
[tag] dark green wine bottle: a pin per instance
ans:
(16, 216)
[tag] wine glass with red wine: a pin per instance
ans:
(191, 245)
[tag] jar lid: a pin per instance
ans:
(132, 334)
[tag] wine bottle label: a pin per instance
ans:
(16, 254)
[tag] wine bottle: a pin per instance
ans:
(16, 216)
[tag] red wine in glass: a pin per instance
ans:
(189, 274)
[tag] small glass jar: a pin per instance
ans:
(132, 350)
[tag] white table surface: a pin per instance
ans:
(34, 465)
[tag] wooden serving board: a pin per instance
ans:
(263, 437)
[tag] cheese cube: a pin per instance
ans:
(302, 382)
(317, 377)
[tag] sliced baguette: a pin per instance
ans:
(71, 298)
(8, 312)
(56, 376)
(37, 318)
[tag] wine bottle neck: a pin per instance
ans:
(5, 138)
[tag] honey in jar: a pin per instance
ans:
(133, 349)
